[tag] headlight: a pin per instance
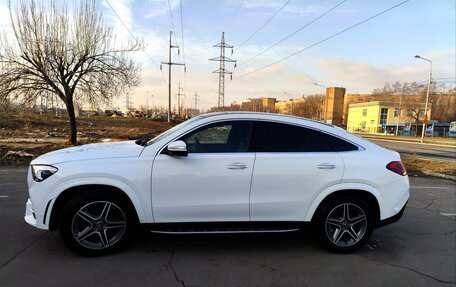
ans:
(41, 172)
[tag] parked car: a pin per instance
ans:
(220, 172)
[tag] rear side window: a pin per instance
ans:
(277, 137)
(283, 138)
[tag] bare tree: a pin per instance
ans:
(64, 50)
(311, 107)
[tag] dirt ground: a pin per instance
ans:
(414, 164)
(36, 135)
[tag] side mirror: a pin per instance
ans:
(177, 148)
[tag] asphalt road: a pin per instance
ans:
(419, 250)
(426, 151)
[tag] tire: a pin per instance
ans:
(345, 224)
(95, 224)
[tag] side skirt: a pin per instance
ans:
(224, 227)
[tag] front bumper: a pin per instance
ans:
(31, 217)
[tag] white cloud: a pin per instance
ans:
(5, 20)
(291, 10)
(363, 77)
(123, 8)
(160, 7)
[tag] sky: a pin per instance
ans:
(361, 59)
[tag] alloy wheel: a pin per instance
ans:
(346, 224)
(98, 225)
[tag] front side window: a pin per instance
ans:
(220, 137)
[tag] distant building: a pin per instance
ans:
(380, 117)
(334, 106)
(191, 112)
(256, 105)
(287, 107)
(88, 111)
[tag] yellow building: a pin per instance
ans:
(381, 116)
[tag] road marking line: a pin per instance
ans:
(431, 187)
(4, 196)
(448, 214)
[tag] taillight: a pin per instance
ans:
(397, 167)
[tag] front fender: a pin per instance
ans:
(142, 215)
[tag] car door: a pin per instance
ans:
(212, 183)
(293, 164)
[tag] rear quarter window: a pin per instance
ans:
(338, 144)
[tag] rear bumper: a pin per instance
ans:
(393, 218)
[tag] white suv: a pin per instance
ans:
(221, 172)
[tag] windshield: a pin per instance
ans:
(173, 129)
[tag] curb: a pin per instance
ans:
(441, 175)
(409, 141)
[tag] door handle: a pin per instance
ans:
(237, 165)
(326, 166)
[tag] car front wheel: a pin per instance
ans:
(345, 224)
(94, 225)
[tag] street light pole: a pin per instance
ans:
(427, 97)
(324, 103)
(292, 104)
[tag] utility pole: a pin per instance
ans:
(196, 99)
(179, 100)
(221, 71)
(399, 114)
(425, 117)
(170, 64)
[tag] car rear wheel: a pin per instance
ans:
(345, 224)
(95, 225)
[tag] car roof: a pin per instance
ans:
(263, 115)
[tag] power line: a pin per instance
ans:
(183, 43)
(182, 30)
(234, 15)
(324, 40)
(290, 35)
(172, 20)
(262, 26)
(126, 27)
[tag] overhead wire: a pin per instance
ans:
(183, 42)
(292, 34)
(228, 24)
(133, 36)
(262, 26)
(172, 20)
(323, 40)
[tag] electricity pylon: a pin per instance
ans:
(222, 71)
